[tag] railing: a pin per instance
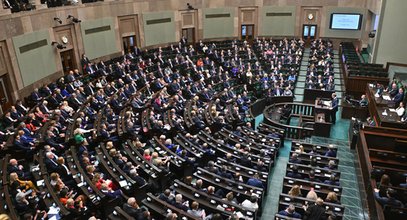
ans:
(293, 132)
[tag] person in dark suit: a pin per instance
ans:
(332, 181)
(277, 91)
(51, 163)
(311, 177)
(167, 196)
(389, 199)
(316, 211)
(290, 212)
(398, 97)
(133, 209)
(14, 167)
(334, 107)
(255, 181)
(294, 173)
(294, 159)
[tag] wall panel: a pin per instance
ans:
(159, 27)
(278, 21)
(218, 22)
(35, 56)
(99, 38)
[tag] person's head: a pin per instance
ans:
(331, 197)
(13, 177)
(385, 180)
(331, 163)
(171, 216)
(319, 201)
(253, 199)
(312, 195)
(132, 202)
(229, 196)
(211, 189)
(194, 205)
(188, 180)
(146, 152)
(54, 176)
(333, 95)
(178, 198)
(199, 183)
(295, 191)
(70, 202)
(291, 208)
(167, 192)
(13, 162)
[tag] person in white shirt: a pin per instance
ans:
(400, 110)
(251, 204)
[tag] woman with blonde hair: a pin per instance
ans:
(300, 149)
(17, 184)
(312, 195)
(331, 197)
(57, 182)
(295, 191)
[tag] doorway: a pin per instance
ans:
(68, 60)
(5, 100)
(129, 43)
(247, 32)
(309, 31)
(189, 34)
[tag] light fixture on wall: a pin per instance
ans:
(74, 20)
(190, 7)
(58, 45)
(58, 20)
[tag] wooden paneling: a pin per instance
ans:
(128, 26)
(247, 16)
(3, 67)
(188, 19)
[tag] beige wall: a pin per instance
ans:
(13, 25)
(390, 43)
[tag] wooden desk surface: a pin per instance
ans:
(377, 106)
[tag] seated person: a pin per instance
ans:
(179, 203)
(389, 199)
(251, 203)
(290, 212)
(294, 173)
(332, 181)
(134, 210)
(331, 152)
(109, 192)
(255, 181)
(400, 109)
(196, 211)
(294, 159)
(77, 208)
(315, 211)
(16, 185)
(167, 196)
(363, 101)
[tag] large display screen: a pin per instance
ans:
(342, 21)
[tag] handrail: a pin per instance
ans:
(294, 132)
